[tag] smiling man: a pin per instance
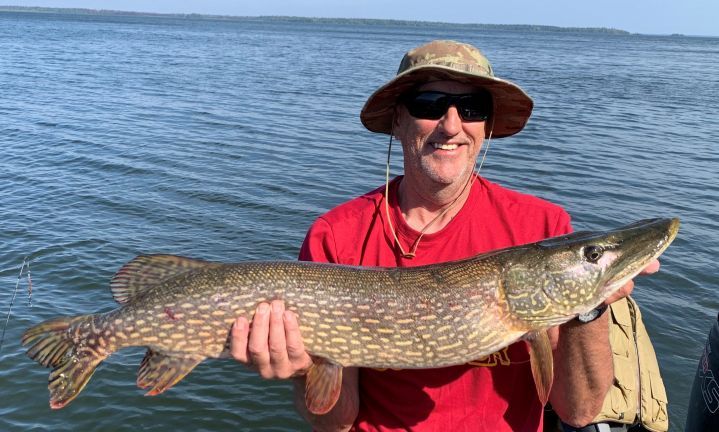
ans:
(443, 105)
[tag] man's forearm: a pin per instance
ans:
(342, 415)
(583, 371)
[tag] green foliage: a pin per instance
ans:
(317, 20)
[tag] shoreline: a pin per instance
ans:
(314, 20)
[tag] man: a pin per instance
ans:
(442, 105)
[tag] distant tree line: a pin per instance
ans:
(314, 20)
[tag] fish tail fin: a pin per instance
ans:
(73, 363)
(50, 340)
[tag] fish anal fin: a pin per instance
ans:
(160, 371)
(323, 386)
(541, 361)
(146, 271)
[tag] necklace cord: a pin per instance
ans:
(470, 181)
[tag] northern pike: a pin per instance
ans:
(430, 316)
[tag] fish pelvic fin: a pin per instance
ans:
(159, 371)
(541, 361)
(146, 271)
(323, 386)
(73, 364)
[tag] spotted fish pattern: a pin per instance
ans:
(182, 309)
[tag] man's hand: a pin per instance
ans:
(624, 291)
(273, 345)
(583, 369)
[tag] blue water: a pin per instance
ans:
(224, 140)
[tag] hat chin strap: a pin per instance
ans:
(470, 181)
(486, 148)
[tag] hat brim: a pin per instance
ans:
(511, 105)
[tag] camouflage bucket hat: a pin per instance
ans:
(455, 61)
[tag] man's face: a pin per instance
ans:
(443, 151)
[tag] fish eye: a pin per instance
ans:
(593, 253)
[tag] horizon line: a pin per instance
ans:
(530, 27)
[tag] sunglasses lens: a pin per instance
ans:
(427, 105)
(433, 105)
(474, 107)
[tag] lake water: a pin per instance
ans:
(224, 140)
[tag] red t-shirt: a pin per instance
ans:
(492, 394)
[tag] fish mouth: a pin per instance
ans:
(646, 240)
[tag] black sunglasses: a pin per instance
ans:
(432, 105)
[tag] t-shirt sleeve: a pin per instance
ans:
(563, 224)
(319, 244)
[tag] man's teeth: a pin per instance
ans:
(444, 146)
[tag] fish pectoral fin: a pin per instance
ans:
(161, 371)
(146, 271)
(541, 361)
(323, 386)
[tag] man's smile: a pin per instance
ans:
(445, 146)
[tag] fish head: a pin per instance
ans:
(549, 282)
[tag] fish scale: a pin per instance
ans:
(379, 317)
(438, 315)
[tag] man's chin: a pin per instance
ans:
(447, 178)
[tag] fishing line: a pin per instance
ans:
(29, 285)
(25, 263)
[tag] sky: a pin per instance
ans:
(689, 17)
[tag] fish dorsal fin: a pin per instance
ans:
(146, 271)
(323, 386)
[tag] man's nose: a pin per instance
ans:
(451, 122)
